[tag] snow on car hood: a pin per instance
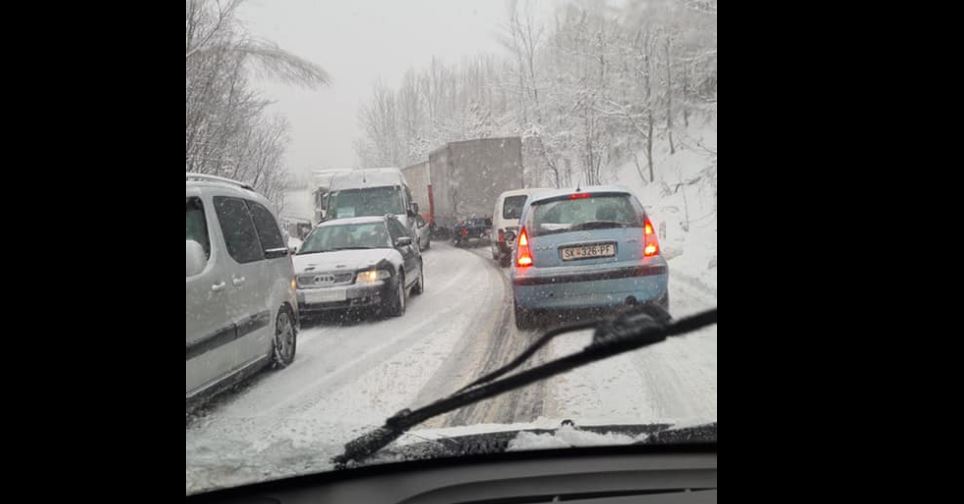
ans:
(548, 434)
(345, 259)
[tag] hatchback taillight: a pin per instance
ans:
(501, 236)
(650, 243)
(524, 255)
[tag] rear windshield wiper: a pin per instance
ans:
(624, 333)
(599, 225)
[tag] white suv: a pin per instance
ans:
(242, 306)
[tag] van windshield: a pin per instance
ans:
(367, 202)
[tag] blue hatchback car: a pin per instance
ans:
(589, 248)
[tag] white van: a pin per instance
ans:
(371, 192)
(505, 222)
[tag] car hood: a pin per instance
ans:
(345, 259)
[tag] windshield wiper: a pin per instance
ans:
(624, 333)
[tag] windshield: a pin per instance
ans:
(512, 207)
(369, 202)
(594, 122)
(349, 236)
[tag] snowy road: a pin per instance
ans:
(350, 376)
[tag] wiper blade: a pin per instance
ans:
(599, 225)
(622, 334)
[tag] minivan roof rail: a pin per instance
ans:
(214, 178)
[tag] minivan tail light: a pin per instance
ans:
(524, 256)
(650, 243)
(501, 236)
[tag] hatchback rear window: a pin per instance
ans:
(583, 213)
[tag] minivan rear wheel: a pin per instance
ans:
(505, 261)
(285, 340)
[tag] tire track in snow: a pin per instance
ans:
(483, 351)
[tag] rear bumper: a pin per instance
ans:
(598, 288)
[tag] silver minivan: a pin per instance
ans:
(242, 305)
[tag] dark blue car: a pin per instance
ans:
(476, 228)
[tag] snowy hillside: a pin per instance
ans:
(682, 200)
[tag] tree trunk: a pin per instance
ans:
(686, 91)
(669, 100)
(649, 106)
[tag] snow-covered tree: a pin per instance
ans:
(227, 130)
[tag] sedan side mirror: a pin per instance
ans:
(403, 241)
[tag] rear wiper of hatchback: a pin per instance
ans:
(626, 332)
(599, 225)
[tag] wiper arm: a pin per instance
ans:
(623, 334)
(634, 318)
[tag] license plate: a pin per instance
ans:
(326, 296)
(588, 251)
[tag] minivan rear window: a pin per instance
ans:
(584, 213)
(512, 207)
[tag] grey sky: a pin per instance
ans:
(358, 41)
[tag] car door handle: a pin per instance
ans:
(218, 286)
(237, 281)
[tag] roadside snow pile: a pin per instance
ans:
(682, 200)
(568, 437)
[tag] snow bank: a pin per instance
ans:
(682, 200)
